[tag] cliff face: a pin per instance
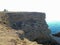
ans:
(32, 23)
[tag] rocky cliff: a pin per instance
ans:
(32, 24)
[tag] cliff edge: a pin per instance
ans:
(29, 25)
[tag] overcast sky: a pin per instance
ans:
(50, 7)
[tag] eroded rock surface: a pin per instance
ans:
(32, 23)
(29, 25)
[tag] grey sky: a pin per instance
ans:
(50, 7)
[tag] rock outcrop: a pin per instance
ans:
(57, 34)
(32, 23)
(29, 25)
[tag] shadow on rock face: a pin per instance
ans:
(51, 42)
(17, 25)
(57, 35)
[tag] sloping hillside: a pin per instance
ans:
(8, 36)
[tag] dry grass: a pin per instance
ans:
(8, 36)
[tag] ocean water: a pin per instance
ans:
(54, 27)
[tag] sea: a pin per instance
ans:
(54, 27)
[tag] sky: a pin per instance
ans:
(50, 7)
